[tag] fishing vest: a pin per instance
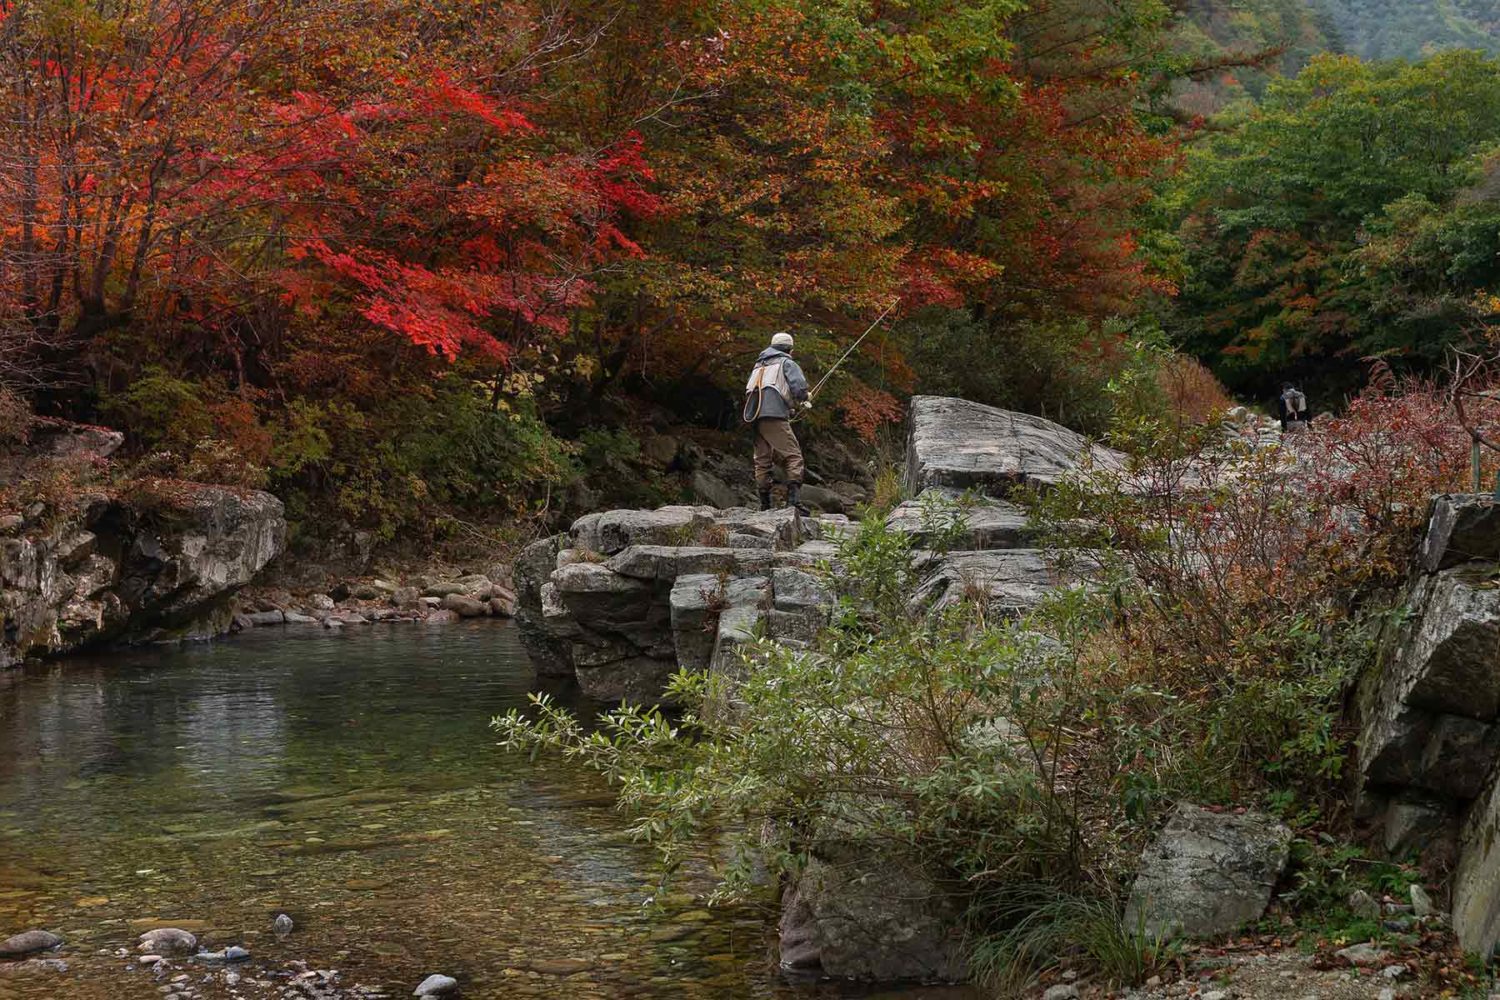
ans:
(771, 375)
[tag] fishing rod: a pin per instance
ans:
(852, 348)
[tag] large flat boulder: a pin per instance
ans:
(961, 445)
(1208, 873)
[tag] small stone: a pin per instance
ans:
(321, 602)
(168, 941)
(282, 925)
(437, 986)
(1062, 991)
(298, 618)
(1387, 994)
(1363, 954)
(1215, 995)
(1421, 902)
(1153, 982)
(28, 942)
(234, 953)
(1393, 971)
(150, 959)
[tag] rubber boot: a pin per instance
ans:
(794, 498)
(765, 499)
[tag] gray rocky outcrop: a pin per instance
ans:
(1430, 716)
(1208, 873)
(625, 597)
(958, 444)
(157, 562)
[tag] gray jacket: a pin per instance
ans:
(772, 406)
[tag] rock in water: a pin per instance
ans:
(168, 941)
(28, 942)
(1208, 873)
(437, 986)
(282, 925)
(871, 918)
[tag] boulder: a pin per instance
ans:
(820, 499)
(533, 572)
(695, 603)
(601, 597)
(1208, 873)
(168, 941)
(1012, 581)
(437, 985)
(502, 607)
(1460, 527)
(800, 605)
(638, 680)
(962, 445)
(442, 588)
(465, 606)
(611, 531)
(741, 622)
(712, 490)
(875, 918)
(666, 563)
(65, 439)
(987, 524)
(29, 943)
(406, 597)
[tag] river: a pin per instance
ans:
(349, 780)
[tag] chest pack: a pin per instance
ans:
(771, 375)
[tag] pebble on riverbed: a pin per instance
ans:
(437, 986)
(168, 941)
(282, 925)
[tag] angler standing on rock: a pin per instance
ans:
(775, 390)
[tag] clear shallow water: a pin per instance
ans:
(348, 779)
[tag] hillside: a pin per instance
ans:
(1289, 32)
(1406, 29)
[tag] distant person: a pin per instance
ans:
(775, 390)
(1293, 408)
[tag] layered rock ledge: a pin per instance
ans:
(158, 561)
(625, 597)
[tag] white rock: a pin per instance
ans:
(437, 986)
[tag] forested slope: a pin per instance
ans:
(1278, 37)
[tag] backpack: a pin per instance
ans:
(771, 375)
(1295, 401)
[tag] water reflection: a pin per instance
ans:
(348, 779)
